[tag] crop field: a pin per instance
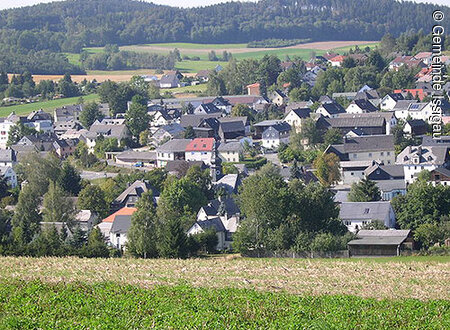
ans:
(224, 292)
(23, 109)
(425, 278)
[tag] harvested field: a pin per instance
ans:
(424, 278)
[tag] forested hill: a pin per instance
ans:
(70, 25)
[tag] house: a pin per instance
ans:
(171, 150)
(263, 125)
(232, 128)
(366, 148)
(390, 121)
(116, 232)
(276, 134)
(310, 76)
(296, 117)
(8, 157)
(367, 125)
(391, 188)
(132, 158)
(5, 126)
(215, 224)
(40, 120)
(85, 219)
(162, 117)
(286, 65)
(62, 127)
(253, 89)
(170, 80)
(390, 100)
(415, 127)
(401, 108)
(380, 243)
(355, 215)
(336, 61)
(167, 132)
(278, 97)
(440, 175)
(330, 110)
(68, 113)
(65, 147)
(109, 129)
(408, 61)
(203, 75)
(180, 167)
(230, 151)
(418, 158)
(223, 104)
(229, 182)
(380, 172)
(201, 149)
(8, 173)
(414, 92)
(235, 130)
(129, 197)
(360, 106)
(41, 141)
(206, 109)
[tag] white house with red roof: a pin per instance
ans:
(337, 60)
(201, 149)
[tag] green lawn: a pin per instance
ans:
(196, 66)
(347, 48)
(304, 54)
(37, 305)
(198, 89)
(23, 109)
(189, 45)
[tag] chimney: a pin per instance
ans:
(419, 150)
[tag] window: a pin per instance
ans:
(355, 155)
(370, 154)
(366, 211)
(382, 153)
(388, 153)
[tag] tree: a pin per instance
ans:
(92, 198)
(215, 85)
(332, 136)
(310, 132)
(153, 92)
(142, 233)
(364, 191)
(17, 132)
(90, 114)
(57, 206)
(206, 241)
(172, 239)
(26, 219)
(242, 110)
(136, 117)
(428, 234)
(373, 225)
(96, 246)
(69, 179)
(189, 133)
(423, 203)
(327, 168)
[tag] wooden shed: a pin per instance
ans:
(380, 243)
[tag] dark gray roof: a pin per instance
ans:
(389, 185)
(195, 120)
(181, 166)
(380, 237)
(175, 145)
(121, 224)
(365, 105)
(280, 127)
(364, 210)
(368, 143)
(357, 121)
(213, 207)
(137, 155)
(136, 189)
(232, 126)
(403, 104)
(214, 223)
(429, 155)
(333, 108)
(428, 140)
(302, 113)
(208, 108)
(230, 146)
(395, 171)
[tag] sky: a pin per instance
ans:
(179, 3)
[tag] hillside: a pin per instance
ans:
(72, 24)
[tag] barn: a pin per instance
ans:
(380, 243)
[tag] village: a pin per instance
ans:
(366, 147)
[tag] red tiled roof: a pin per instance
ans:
(338, 58)
(201, 144)
(122, 211)
(253, 85)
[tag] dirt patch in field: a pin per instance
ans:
(322, 45)
(422, 280)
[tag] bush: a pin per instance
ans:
(206, 241)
